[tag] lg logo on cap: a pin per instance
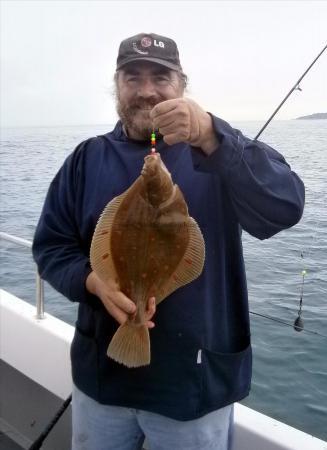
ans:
(146, 42)
(158, 44)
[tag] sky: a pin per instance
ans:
(242, 57)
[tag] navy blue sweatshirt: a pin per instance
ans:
(200, 347)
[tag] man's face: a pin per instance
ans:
(140, 86)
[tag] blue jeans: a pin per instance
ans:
(105, 427)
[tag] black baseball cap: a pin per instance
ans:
(149, 47)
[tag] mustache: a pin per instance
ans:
(142, 105)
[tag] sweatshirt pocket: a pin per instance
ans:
(226, 377)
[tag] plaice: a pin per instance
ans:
(148, 244)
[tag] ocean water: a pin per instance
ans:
(290, 368)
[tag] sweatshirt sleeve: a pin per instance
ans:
(267, 196)
(57, 247)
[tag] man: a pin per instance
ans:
(200, 336)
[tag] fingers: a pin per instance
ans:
(183, 120)
(150, 324)
(122, 302)
(111, 291)
(163, 117)
(121, 307)
(164, 107)
(180, 130)
(151, 308)
(150, 311)
(174, 119)
(121, 316)
(115, 311)
(174, 127)
(164, 125)
(116, 303)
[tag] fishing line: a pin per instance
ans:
(153, 142)
(286, 323)
(298, 323)
(305, 255)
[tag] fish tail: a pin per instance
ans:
(130, 345)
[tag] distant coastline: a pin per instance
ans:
(313, 116)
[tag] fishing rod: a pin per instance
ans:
(298, 323)
(294, 88)
(37, 444)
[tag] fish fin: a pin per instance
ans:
(130, 345)
(190, 266)
(100, 252)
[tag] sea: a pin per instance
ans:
(290, 367)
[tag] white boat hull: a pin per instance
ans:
(36, 364)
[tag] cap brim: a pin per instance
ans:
(155, 60)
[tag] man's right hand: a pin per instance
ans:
(116, 303)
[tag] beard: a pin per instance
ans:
(135, 116)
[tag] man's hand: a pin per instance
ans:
(117, 304)
(183, 120)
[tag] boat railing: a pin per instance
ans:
(39, 292)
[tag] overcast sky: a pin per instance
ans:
(58, 57)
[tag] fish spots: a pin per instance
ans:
(144, 244)
(133, 253)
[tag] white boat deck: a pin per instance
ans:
(25, 344)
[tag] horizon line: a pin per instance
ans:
(113, 124)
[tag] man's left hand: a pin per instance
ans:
(183, 120)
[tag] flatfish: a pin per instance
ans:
(146, 241)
